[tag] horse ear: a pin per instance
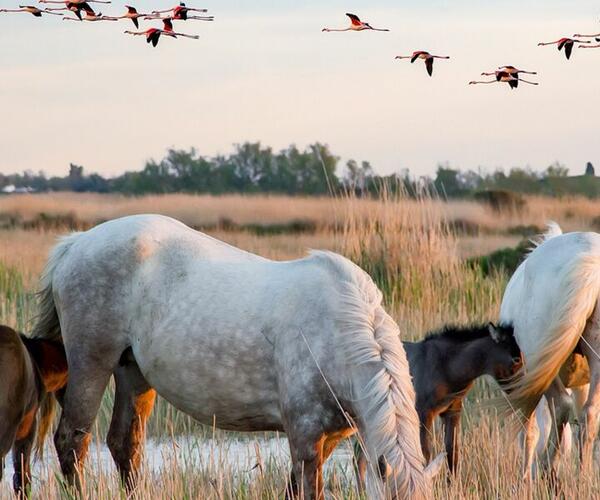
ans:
(434, 466)
(494, 333)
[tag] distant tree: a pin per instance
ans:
(589, 169)
(556, 170)
(448, 182)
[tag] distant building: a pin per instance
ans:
(12, 189)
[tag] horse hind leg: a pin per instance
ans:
(134, 400)
(561, 407)
(90, 369)
(591, 409)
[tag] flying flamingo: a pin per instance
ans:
(76, 8)
(504, 77)
(567, 43)
(168, 28)
(132, 14)
(596, 36)
(356, 25)
(91, 17)
(31, 10)
(153, 34)
(180, 13)
(511, 70)
(421, 54)
(75, 2)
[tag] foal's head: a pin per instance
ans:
(481, 349)
(504, 357)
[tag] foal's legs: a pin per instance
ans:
(134, 400)
(426, 434)
(451, 420)
(22, 454)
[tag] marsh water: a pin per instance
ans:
(238, 455)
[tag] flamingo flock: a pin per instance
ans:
(181, 12)
(83, 11)
(504, 74)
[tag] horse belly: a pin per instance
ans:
(223, 380)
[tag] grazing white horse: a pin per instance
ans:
(234, 340)
(551, 301)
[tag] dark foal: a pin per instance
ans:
(30, 371)
(444, 367)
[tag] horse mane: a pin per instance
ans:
(385, 404)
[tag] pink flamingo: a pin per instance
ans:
(92, 17)
(426, 56)
(356, 25)
(567, 43)
(181, 13)
(153, 34)
(31, 10)
(504, 77)
(132, 14)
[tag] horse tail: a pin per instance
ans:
(381, 387)
(47, 410)
(47, 325)
(579, 288)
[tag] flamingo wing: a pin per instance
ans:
(561, 43)
(429, 65)
(355, 19)
(135, 22)
(168, 24)
(87, 8)
(568, 49)
(131, 10)
(513, 83)
(415, 56)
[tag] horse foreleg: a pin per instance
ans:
(134, 400)
(22, 454)
(360, 466)
(451, 421)
(307, 468)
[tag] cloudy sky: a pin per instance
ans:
(264, 71)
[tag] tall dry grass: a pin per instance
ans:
(409, 248)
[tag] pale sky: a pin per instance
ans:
(263, 71)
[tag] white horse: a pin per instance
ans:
(233, 340)
(551, 300)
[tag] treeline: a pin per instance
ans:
(252, 168)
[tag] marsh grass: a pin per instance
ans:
(415, 257)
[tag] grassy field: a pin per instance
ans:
(416, 250)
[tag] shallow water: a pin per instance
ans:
(236, 455)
